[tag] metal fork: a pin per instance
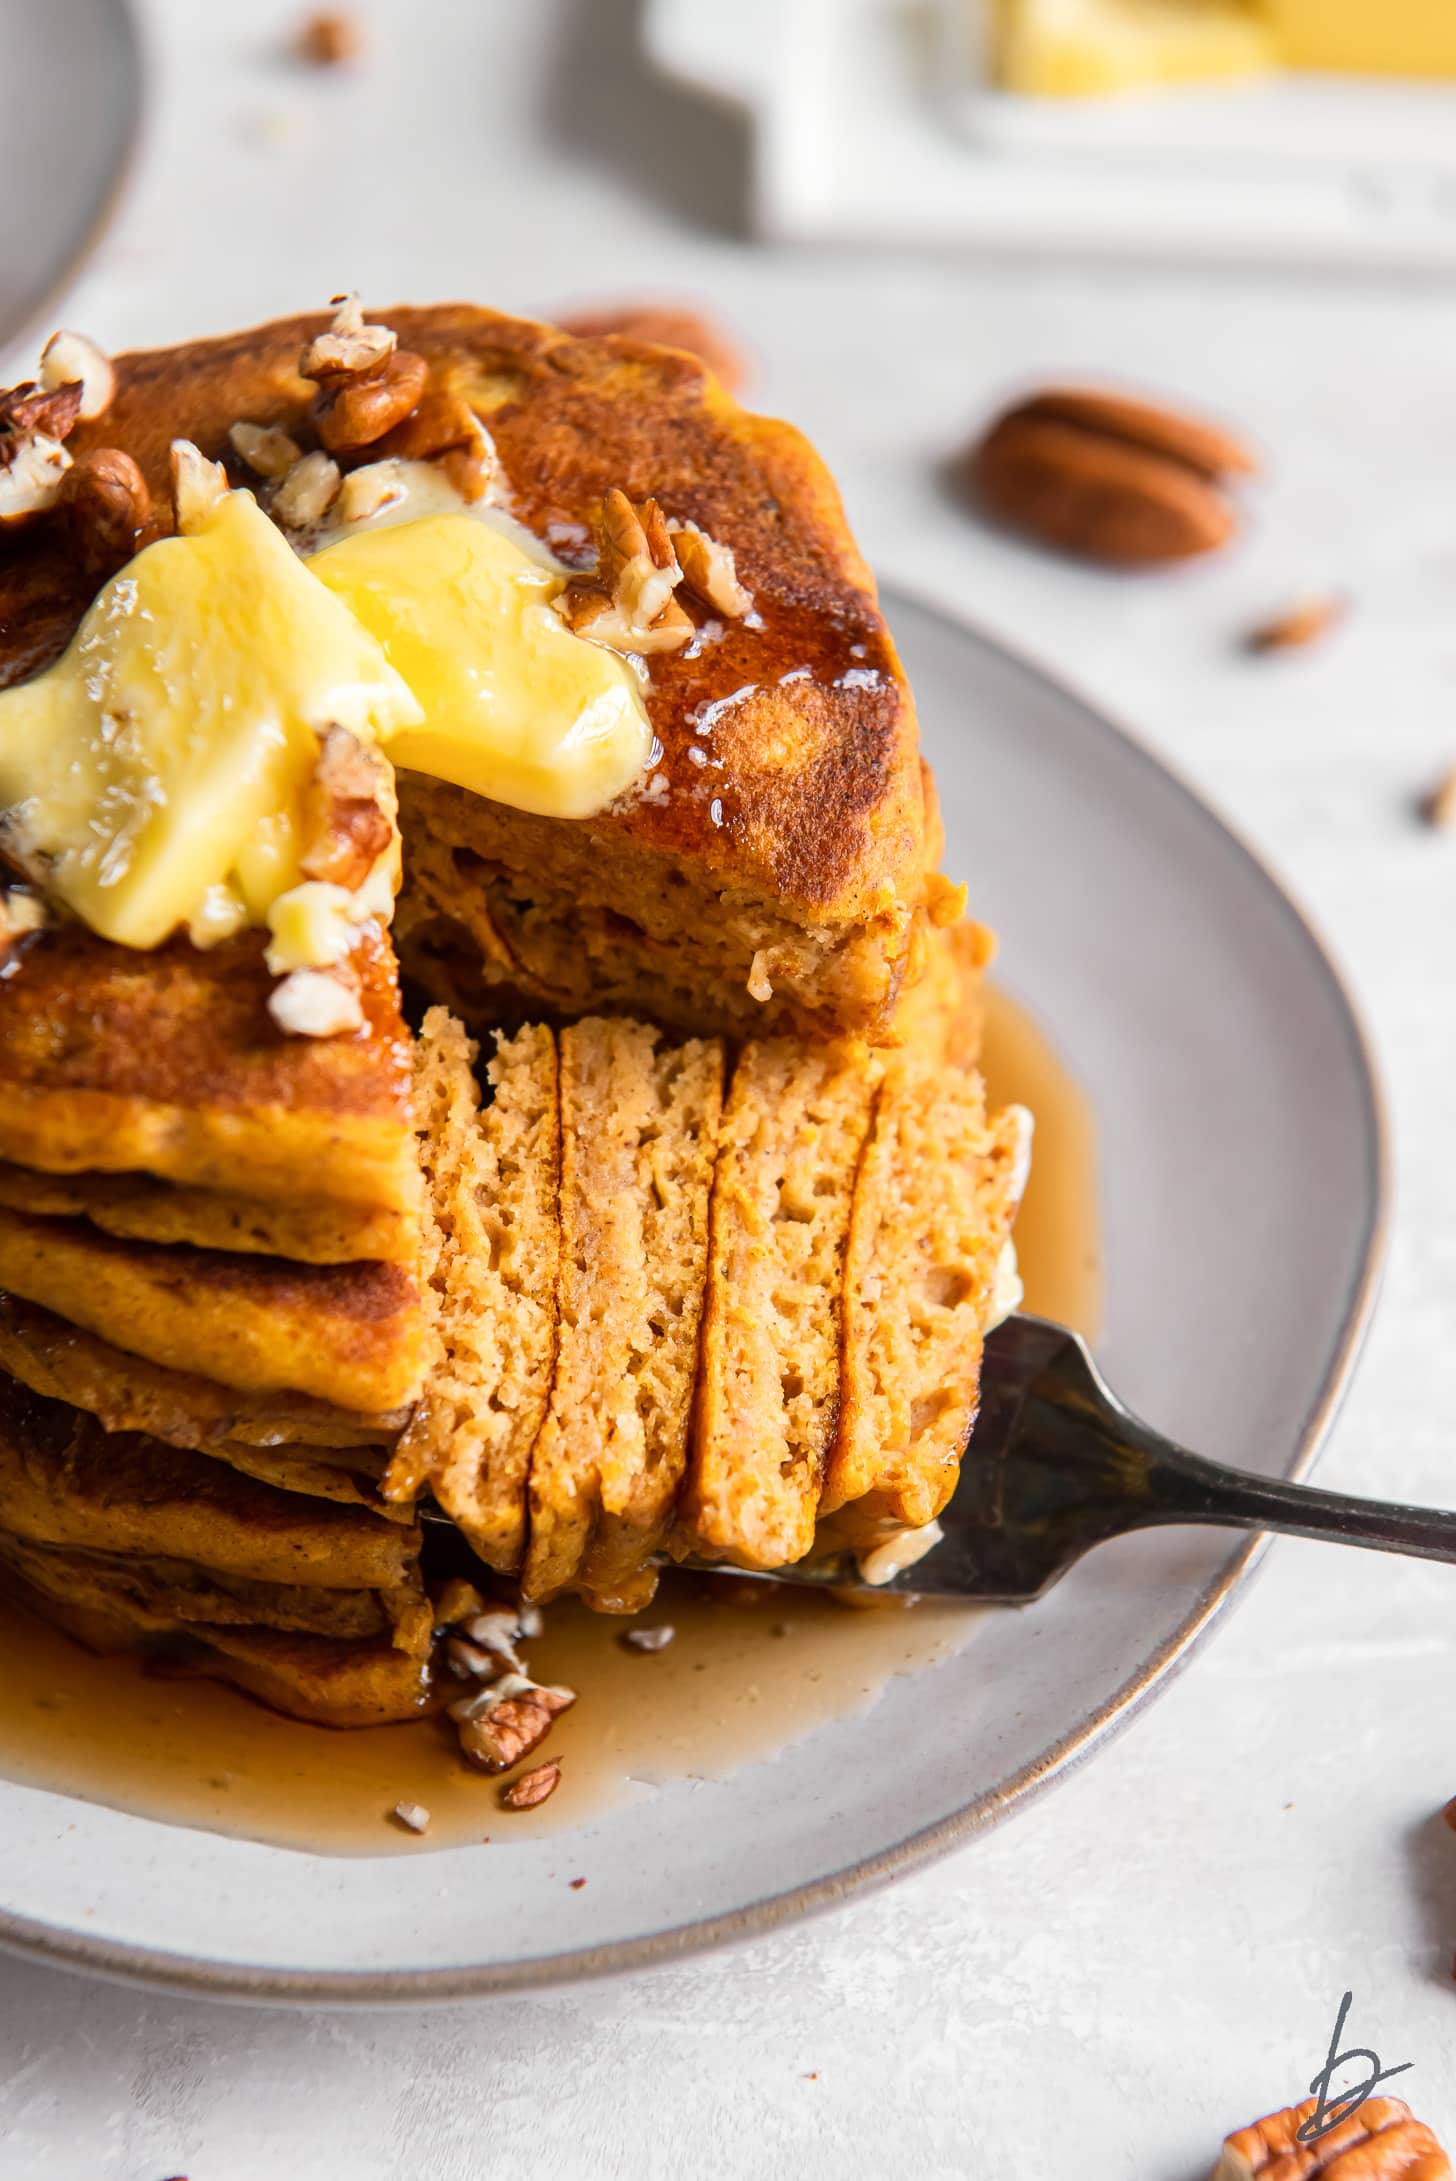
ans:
(1056, 1465)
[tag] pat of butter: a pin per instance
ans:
(1088, 48)
(1398, 38)
(164, 754)
(515, 707)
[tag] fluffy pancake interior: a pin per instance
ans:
(492, 1246)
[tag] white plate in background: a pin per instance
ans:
(1243, 1183)
(72, 77)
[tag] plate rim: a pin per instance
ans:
(196, 1977)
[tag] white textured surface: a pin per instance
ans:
(1155, 1953)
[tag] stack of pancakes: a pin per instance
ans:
(667, 1219)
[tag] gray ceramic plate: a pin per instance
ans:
(73, 77)
(1242, 1179)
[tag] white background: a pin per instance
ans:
(1154, 1954)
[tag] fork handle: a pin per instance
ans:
(1183, 1487)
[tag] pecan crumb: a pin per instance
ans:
(1438, 808)
(576, 1884)
(329, 39)
(315, 1003)
(1378, 2141)
(413, 1816)
(648, 1639)
(1302, 624)
(532, 1788)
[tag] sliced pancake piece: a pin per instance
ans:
(617, 1367)
(768, 1397)
(179, 1594)
(127, 1393)
(140, 1208)
(937, 1193)
(352, 1334)
(65, 1482)
(492, 1247)
(363, 1684)
(169, 1063)
(640, 1478)
(312, 1472)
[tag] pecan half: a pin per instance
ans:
(506, 1722)
(1303, 624)
(1379, 2141)
(1109, 479)
(532, 1788)
(108, 509)
(349, 345)
(356, 412)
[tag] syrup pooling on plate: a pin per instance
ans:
(736, 1684)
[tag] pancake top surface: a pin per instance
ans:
(806, 784)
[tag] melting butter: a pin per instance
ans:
(515, 707)
(159, 764)
(158, 767)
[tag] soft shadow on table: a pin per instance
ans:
(1431, 1861)
(605, 105)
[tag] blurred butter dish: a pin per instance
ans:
(875, 123)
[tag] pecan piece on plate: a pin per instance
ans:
(1379, 2141)
(532, 1788)
(1110, 479)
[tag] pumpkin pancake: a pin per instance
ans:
(167, 1062)
(774, 871)
(142, 1209)
(127, 1393)
(333, 1684)
(350, 1334)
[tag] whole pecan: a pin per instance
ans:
(356, 412)
(107, 509)
(1109, 478)
(1379, 2141)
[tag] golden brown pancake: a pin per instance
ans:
(169, 1063)
(355, 1335)
(127, 1393)
(65, 1482)
(142, 1209)
(362, 1684)
(790, 852)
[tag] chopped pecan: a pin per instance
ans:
(444, 428)
(315, 1003)
(108, 508)
(348, 811)
(267, 449)
(32, 469)
(357, 411)
(1379, 2141)
(368, 491)
(1298, 625)
(69, 359)
(709, 570)
(330, 39)
(628, 604)
(458, 1601)
(197, 485)
(306, 494)
(27, 410)
(507, 1721)
(20, 914)
(1438, 808)
(532, 1788)
(350, 346)
(413, 1816)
